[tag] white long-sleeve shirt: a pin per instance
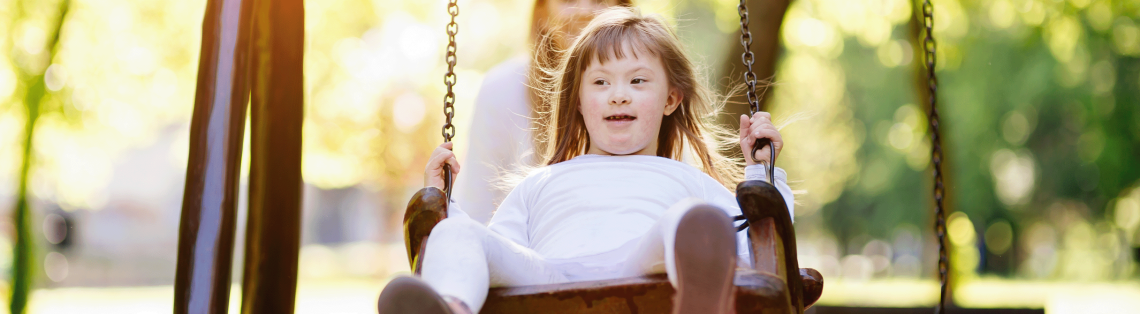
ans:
(595, 204)
(500, 138)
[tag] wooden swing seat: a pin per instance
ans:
(764, 289)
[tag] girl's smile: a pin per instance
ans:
(620, 120)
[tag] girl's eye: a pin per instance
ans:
(600, 82)
(637, 81)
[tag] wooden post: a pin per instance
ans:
(273, 230)
(206, 231)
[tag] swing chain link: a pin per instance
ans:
(753, 101)
(929, 46)
(747, 58)
(750, 80)
(449, 79)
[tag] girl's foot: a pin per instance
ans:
(705, 255)
(413, 296)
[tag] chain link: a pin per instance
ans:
(747, 58)
(753, 101)
(750, 80)
(929, 46)
(450, 79)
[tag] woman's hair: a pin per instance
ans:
(563, 134)
(542, 26)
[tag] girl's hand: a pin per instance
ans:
(433, 173)
(757, 127)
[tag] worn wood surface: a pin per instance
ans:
(813, 285)
(206, 227)
(763, 206)
(916, 310)
(755, 293)
(426, 209)
(273, 231)
(766, 250)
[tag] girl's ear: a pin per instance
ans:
(674, 101)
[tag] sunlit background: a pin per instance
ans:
(1040, 102)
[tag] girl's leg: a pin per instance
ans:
(463, 259)
(694, 244)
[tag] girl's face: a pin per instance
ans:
(623, 102)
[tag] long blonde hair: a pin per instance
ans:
(563, 130)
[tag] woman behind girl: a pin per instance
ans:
(501, 138)
(614, 200)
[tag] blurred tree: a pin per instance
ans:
(765, 18)
(1039, 103)
(31, 74)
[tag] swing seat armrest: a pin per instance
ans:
(813, 285)
(426, 209)
(772, 242)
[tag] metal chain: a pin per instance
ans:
(929, 46)
(449, 79)
(750, 79)
(753, 101)
(747, 58)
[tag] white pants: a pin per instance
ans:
(463, 258)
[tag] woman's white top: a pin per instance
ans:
(595, 204)
(499, 139)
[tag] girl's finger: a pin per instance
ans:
(768, 134)
(441, 153)
(746, 147)
(761, 116)
(774, 136)
(771, 135)
(454, 164)
(761, 155)
(756, 129)
(438, 158)
(745, 126)
(432, 161)
(765, 126)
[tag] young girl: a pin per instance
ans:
(614, 199)
(501, 135)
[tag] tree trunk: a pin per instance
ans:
(765, 18)
(23, 252)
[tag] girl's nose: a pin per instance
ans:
(619, 99)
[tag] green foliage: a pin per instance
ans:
(23, 267)
(1040, 113)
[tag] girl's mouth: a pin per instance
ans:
(621, 117)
